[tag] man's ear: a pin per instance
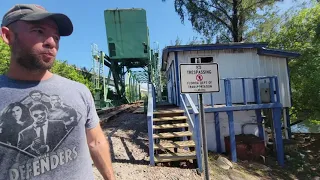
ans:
(5, 35)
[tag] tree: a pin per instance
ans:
(229, 18)
(68, 71)
(300, 34)
(267, 28)
(5, 57)
(177, 42)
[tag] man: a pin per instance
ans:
(33, 35)
(60, 111)
(43, 135)
(36, 97)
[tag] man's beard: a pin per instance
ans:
(57, 105)
(27, 59)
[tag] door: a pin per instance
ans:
(172, 83)
(169, 86)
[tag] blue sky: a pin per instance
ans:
(164, 24)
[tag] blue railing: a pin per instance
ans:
(256, 105)
(151, 107)
(274, 91)
(274, 104)
(195, 125)
(273, 86)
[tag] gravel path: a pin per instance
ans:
(128, 137)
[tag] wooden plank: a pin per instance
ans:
(172, 134)
(105, 118)
(170, 126)
(174, 157)
(176, 144)
(168, 111)
(174, 118)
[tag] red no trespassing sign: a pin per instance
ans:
(199, 78)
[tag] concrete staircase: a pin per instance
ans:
(171, 136)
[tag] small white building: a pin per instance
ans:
(234, 60)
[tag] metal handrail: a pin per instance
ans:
(193, 106)
(196, 126)
(186, 110)
(150, 122)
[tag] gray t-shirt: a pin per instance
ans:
(43, 129)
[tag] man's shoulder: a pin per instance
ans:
(3, 79)
(70, 82)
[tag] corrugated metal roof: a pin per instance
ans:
(278, 53)
(198, 47)
(262, 49)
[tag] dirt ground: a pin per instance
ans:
(128, 139)
(302, 162)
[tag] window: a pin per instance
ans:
(201, 60)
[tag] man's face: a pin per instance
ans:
(34, 46)
(36, 96)
(39, 116)
(55, 101)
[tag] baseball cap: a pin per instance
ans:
(34, 12)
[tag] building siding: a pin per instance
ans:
(234, 63)
(278, 67)
(241, 63)
(171, 80)
(240, 118)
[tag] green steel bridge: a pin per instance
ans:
(130, 61)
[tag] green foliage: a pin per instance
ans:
(230, 19)
(266, 28)
(317, 122)
(68, 71)
(4, 57)
(299, 34)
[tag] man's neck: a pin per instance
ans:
(19, 73)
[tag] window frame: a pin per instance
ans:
(197, 57)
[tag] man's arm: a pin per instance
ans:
(100, 152)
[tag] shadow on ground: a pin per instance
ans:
(128, 138)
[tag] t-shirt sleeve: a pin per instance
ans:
(92, 115)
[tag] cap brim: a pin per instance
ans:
(63, 22)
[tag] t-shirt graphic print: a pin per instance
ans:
(38, 123)
(34, 129)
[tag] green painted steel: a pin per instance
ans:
(127, 34)
(135, 78)
(129, 48)
(99, 79)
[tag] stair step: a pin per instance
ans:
(168, 113)
(174, 157)
(174, 118)
(176, 144)
(172, 134)
(170, 126)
